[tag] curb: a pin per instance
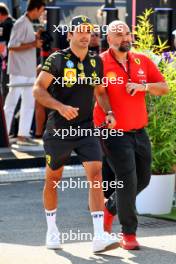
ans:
(17, 175)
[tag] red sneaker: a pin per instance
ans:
(108, 220)
(129, 242)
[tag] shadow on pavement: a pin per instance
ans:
(145, 256)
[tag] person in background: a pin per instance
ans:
(40, 114)
(6, 24)
(94, 45)
(45, 51)
(22, 69)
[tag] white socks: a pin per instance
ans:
(98, 222)
(97, 217)
(51, 219)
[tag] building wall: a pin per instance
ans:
(142, 5)
(146, 4)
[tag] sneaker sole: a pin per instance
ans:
(53, 246)
(110, 247)
(130, 248)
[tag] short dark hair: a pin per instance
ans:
(32, 4)
(4, 9)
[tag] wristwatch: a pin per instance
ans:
(146, 86)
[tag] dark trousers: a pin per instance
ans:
(108, 177)
(4, 142)
(130, 156)
(4, 82)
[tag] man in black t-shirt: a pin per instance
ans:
(6, 24)
(66, 86)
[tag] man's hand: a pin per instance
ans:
(110, 121)
(38, 43)
(133, 88)
(2, 48)
(68, 112)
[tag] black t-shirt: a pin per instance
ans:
(95, 50)
(80, 78)
(5, 29)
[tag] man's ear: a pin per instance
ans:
(108, 40)
(69, 35)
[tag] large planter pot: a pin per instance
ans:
(157, 198)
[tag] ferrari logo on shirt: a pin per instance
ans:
(80, 66)
(69, 75)
(48, 159)
(93, 62)
(138, 61)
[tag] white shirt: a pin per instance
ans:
(22, 62)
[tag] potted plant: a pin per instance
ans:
(157, 198)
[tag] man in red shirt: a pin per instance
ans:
(130, 154)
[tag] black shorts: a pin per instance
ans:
(58, 151)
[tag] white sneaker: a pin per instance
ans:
(53, 239)
(105, 242)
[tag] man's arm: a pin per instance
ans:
(102, 98)
(155, 85)
(103, 101)
(17, 40)
(43, 97)
(35, 44)
(157, 89)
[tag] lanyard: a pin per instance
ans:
(127, 71)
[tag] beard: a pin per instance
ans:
(123, 47)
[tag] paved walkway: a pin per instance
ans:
(23, 227)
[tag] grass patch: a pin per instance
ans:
(171, 216)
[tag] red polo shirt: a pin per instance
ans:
(130, 111)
